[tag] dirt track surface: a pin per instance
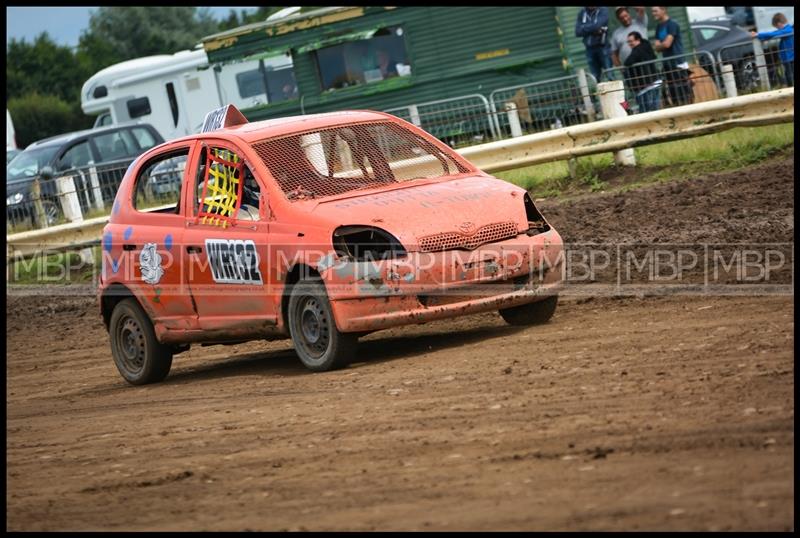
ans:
(635, 413)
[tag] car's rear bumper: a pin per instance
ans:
(386, 299)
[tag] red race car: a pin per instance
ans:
(321, 228)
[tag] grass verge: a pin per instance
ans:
(56, 268)
(727, 150)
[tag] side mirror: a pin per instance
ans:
(46, 172)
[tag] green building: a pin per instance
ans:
(457, 65)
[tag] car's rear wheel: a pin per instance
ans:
(317, 341)
(532, 313)
(138, 355)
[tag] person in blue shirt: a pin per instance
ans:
(676, 68)
(786, 48)
(592, 26)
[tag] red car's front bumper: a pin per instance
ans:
(429, 286)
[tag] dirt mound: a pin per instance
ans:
(727, 212)
(726, 207)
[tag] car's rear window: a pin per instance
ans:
(336, 160)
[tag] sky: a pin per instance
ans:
(64, 24)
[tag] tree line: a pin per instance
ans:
(44, 79)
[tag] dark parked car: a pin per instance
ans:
(96, 159)
(722, 35)
(11, 153)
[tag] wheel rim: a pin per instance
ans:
(130, 344)
(313, 323)
(51, 213)
(750, 75)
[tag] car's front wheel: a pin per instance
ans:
(139, 356)
(49, 216)
(317, 341)
(531, 313)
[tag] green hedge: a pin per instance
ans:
(40, 116)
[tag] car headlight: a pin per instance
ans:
(366, 243)
(15, 198)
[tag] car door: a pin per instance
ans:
(76, 161)
(114, 150)
(226, 242)
(143, 244)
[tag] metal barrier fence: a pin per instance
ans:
(540, 106)
(68, 196)
(754, 66)
(544, 105)
(758, 65)
(666, 82)
(459, 121)
(537, 106)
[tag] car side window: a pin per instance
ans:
(160, 181)
(130, 143)
(225, 188)
(111, 146)
(707, 34)
(144, 138)
(75, 157)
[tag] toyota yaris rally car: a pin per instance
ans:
(321, 228)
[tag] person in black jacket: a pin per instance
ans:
(643, 79)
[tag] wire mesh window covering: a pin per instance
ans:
(336, 160)
(222, 188)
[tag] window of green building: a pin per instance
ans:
(379, 57)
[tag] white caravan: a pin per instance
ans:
(174, 92)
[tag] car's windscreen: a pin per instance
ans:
(336, 160)
(30, 162)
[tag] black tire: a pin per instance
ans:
(139, 357)
(317, 341)
(532, 313)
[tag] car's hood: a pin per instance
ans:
(461, 205)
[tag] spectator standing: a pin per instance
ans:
(592, 26)
(786, 48)
(619, 39)
(642, 79)
(676, 70)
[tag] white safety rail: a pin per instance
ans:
(612, 135)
